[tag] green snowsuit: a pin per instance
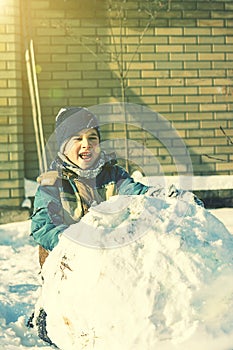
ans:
(63, 198)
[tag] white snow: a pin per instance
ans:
(167, 290)
(214, 182)
(162, 290)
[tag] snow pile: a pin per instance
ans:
(19, 290)
(159, 278)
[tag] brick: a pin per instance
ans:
(211, 40)
(183, 22)
(197, 31)
(203, 150)
(16, 156)
(224, 149)
(3, 138)
(213, 141)
(171, 99)
(4, 175)
(213, 124)
(137, 82)
(211, 56)
(19, 192)
(97, 74)
(224, 166)
(183, 90)
(203, 170)
(79, 66)
(213, 107)
(184, 107)
(184, 73)
(2, 47)
(141, 65)
(8, 75)
(84, 101)
(226, 94)
(73, 75)
(155, 74)
(210, 23)
(66, 58)
(8, 56)
(154, 90)
(210, 90)
(171, 169)
(223, 115)
(223, 81)
(16, 138)
(54, 32)
(212, 73)
(200, 116)
(186, 125)
(170, 82)
(197, 65)
(183, 40)
(188, 5)
(199, 99)
(192, 142)
(176, 116)
(3, 101)
(149, 48)
(9, 129)
(133, 91)
(183, 56)
(196, 14)
(82, 83)
(218, 65)
(59, 49)
(169, 48)
(222, 48)
(10, 202)
(198, 48)
(6, 184)
(3, 157)
(4, 193)
(169, 65)
(229, 23)
(198, 82)
(222, 31)
(153, 57)
(163, 39)
(222, 14)
(168, 31)
(206, 5)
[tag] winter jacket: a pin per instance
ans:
(62, 198)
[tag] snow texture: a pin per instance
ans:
(165, 284)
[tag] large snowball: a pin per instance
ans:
(150, 273)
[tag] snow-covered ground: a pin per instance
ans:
(21, 281)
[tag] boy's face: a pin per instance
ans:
(83, 149)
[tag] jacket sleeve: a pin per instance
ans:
(127, 185)
(47, 221)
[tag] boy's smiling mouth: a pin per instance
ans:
(85, 155)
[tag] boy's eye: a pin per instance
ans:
(90, 138)
(78, 139)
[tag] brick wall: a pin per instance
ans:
(11, 131)
(181, 68)
(178, 63)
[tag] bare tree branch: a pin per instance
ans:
(227, 137)
(216, 158)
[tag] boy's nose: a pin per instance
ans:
(85, 142)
